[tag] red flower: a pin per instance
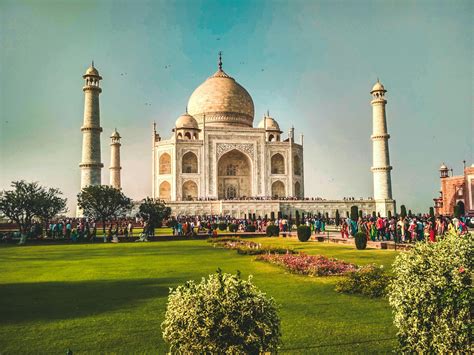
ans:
(461, 270)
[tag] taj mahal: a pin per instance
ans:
(217, 160)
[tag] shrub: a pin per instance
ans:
(272, 230)
(250, 228)
(430, 296)
(233, 227)
(222, 226)
(354, 213)
(304, 233)
(338, 218)
(369, 280)
(403, 211)
(222, 314)
(360, 240)
(214, 226)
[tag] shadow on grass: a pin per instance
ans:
(43, 301)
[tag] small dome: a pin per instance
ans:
(92, 71)
(378, 87)
(186, 121)
(115, 134)
(272, 125)
(443, 167)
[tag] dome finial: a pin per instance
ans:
(92, 63)
(220, 60)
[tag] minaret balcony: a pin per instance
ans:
(91, 128)
(92, 88)
(380, 136)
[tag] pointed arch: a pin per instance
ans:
(189, 191)
(189, 163)
(165, 164)
(165, 191)
(278, 189)
(277, 164)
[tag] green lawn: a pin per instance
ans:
(97, 298)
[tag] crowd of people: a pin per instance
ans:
(404, 229)
(398, 229)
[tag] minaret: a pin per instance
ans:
(91, 165)
(381, 159)
(115, 160)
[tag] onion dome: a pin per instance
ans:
(222, 101)
(443, 167)
(186, 121)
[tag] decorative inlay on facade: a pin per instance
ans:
(223, 148)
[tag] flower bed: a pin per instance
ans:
(250, 248)
(312, 265)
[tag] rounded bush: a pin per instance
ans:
(222, 226)
(304, 233)
(272, 231)
(233, 227)
(369, 280)
(360, 240)
(222, 314)
(431, 296)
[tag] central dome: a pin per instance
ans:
(223, 102)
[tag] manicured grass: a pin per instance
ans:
(96, 298)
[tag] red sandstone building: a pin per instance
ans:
(455, 191)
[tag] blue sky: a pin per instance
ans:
(311, 63)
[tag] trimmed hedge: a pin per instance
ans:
(222, 226)
(233, 227)
(369, 280)
(250, 228)
(360, 240)
(272, 231)
(304, 233)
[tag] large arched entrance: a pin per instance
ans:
(234, 176)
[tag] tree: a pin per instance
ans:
(103, 203)
(29, 201)
(297, 213)
(410, 214)
(389, 214)
(338, 218)
(360, 213)
(153, 211)
(403, 211)
(432, 214)
(431, 296)
(354, 213)
(222, 314)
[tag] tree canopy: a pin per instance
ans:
(29, 201)
(153, 211)
(103, 202)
